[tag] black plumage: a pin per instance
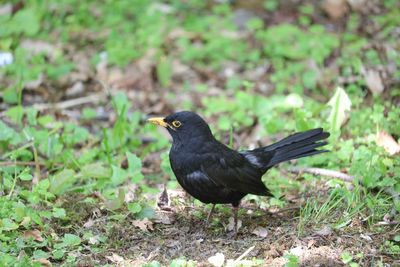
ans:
(213, 173)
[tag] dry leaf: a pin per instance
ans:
(335, 8)
(89, 223)
(311, 243)
(373, 81)
(35, 234)
(38, 47)
(260, 231)
(94, 240)
(386, 141)
(115, 258)
(297, 251)
(144, 224)
(217, 260)
(358, 5)
(366, 237)
(44, 262)
(325, 231)
(164, 217)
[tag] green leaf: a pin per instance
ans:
(134, 207)
(62, 181)
(58, 253)
(117, 202)
(25, 176)
(10, 96)
(346, 257)
(341, 106)
(59, 213)
(27, 21)
(96, 170)
(119, 175)
(40, 254)
(15, 113)
(146, 212)
(6, 133)
(8, 225)
(69, 240)
(134, 167)
(396, 238)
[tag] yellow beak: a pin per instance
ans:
(158, 121)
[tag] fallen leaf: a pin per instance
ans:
(35, 234)
(231, 224)
(325, 231)
(89, 223)
(373, 81)
(217, 260)
(311, 243)
(164, 217)
(94, 240)
(386, 141)
(261, 232)
(358, 5)
(115, 258)
(366, 237)
(39, 47)
(144, 224)
(336, 9)
(297, 251)
(43, 262)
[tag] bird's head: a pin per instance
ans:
(184, 125)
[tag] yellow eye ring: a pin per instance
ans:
(176, 124)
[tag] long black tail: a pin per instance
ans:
(297, 145)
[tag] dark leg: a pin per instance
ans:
(235, 210)
(209, 214)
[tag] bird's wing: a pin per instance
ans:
(232, 170)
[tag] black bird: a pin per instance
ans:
(213, 173)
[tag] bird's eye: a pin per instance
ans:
(176, 124)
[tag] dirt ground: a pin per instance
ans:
(267, 235)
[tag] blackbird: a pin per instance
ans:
(214, 173)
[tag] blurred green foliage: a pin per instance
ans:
(78, 161)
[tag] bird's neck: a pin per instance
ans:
(196, 143)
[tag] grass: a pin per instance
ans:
(74, 179)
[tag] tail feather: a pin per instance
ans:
(297, 146)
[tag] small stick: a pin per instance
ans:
(70, 103)
(244, 254)
(324, 172)
(25, 163)
(20, 163)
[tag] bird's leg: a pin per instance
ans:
(235, 210)
(209, 214)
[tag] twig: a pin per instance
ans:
(244, 254)
(388, 223)
(37, 176)
(324, 172)
(70, 103)
(20, 163)
(25, 163)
